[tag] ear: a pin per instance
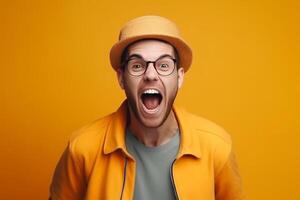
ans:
(180, 76)
(120, 74)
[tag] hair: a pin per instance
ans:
(124, 57)
(125, 53)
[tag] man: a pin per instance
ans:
(148, 148)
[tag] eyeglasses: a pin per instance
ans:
(164, 65)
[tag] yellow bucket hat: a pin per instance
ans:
(151, 27)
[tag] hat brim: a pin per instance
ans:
(183, 50)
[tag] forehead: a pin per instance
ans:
(151, 49)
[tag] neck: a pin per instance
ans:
(153, 137)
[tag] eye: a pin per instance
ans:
(135, 66)
(164, 66)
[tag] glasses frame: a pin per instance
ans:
(125, 64)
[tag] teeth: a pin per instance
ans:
(151, 91)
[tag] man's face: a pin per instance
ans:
(150, 96)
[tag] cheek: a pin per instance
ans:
(130, 86)
(171, 87)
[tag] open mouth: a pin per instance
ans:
(151, 98)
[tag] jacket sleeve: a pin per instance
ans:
(68, 180)
(228, 183)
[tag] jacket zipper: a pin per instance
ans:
(173, 182)
(124, 179)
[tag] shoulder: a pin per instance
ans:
(203, 127)
(206, 128)
(212, 139)
(87, 141)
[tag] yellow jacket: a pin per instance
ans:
(96, 164)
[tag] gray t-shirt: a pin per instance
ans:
(153, 172)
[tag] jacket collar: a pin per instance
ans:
(115, 138)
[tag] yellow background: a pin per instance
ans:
(56, 77)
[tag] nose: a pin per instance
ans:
(151, 73)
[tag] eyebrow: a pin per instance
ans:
(141, 57)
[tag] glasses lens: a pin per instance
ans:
(136, 67)
(165, 66)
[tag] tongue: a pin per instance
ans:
(151, 102)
